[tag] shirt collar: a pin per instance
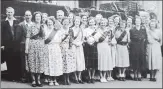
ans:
(27, 23)
(12, 18)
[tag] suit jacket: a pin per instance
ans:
(22, 29)
(8, 37)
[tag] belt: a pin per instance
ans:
(122, 43)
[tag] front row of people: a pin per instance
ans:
(58, 49)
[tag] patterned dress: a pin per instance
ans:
(90, 51)
(54, 64)
(122, 50)
(154, 49)
(68, 55)
(80, 60)
(137, 48)
(105, 61)
(35, 61)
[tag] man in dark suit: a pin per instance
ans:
(10, 45)
(22, 28)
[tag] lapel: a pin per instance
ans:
(9, 28)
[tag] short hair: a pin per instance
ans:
(10, 8)
(65, 18)
(35, 13)
(28, 11)
(52, 18)
(99, 15)
(45, 14)
(61, 12)
(77, 17)
(91, 18)
(156, 21)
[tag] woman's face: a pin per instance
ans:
(122, 24)
(129, 21)
(92, 22)
(152, 24)
(138, 21)
(66, 22)
(111, 22)
(71, 16)
(103, 23)
(50, 23)
(98, 19)
(77, 22)
(38, 18)
(116, 20)
(84, 19)
(44, 18)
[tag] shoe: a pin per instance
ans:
(46, 81)
(123, 79)
(56, 84)
(76, 81)
(68, 83)
(108, 79)
(154, 79)
(139, 79)
(51, 83)
(104, 80)
(92, 81)
(33, 84)
(89, 81)
(101, 80)
(111, 79)
(40, 85)
(80, 81)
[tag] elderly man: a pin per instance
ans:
(10, 45)
(22, 28)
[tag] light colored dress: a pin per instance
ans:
(154, 49)
(113, 46)
(122, 59)
(54, 64)
(105, 61)
(68, 55)
(80, 60)
(36, 55)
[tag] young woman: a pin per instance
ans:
(44, 26)
(68, 51)
(78, 41)
(122, 61)
(35, 50)
(154, 56)
(104, 50)
(90, 48)
(84, 22)
(54, 65)
(71, 17)
(113, 47)
(138, 37)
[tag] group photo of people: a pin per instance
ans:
(66, 49)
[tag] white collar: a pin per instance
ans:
(26, 22)
(11, 19)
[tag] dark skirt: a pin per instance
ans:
(137, 56)
(91, 56)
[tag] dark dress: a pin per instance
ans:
(90, 52)
(137, 48)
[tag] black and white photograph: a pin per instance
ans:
(81, 43)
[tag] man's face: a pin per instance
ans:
(28, 16)
(59, 15)
(10, 13)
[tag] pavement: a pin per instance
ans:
(145, 83)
